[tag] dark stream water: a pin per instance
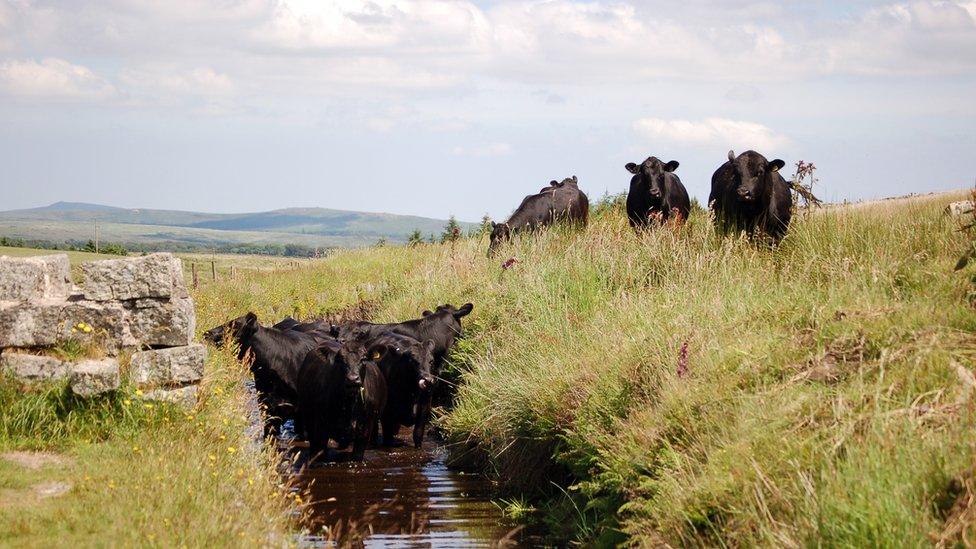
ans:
(398, 497)
(404, 497)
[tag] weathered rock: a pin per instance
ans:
(105, 323)
(94, 377)
(162, 323)
(173, 366)
(152, 276)
(962, 207)
(34, 278)
(32, 367)
(184, 396)
(30, 324)
(112, 325)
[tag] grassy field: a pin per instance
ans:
(823, 397)
(672, 388)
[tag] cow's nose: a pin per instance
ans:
(656, 193)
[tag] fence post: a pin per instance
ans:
(213, 270)
(196, 280)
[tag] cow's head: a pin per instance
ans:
(413, 360)
(239, 329)
(500, 232)
(653, 174)
(352, 357)
(450, 315)
(752, 174)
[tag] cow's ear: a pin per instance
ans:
(429, 345)
(376, 352)
(775, 165)
(250, 319)
(731, 156)
(553, 183)
(575, 180)
(671, 166)
(426, 313)
(464, 310)
(631, 167)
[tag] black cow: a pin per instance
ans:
(332, 393)
(749, 194)
(656, 193)
(278, 355)
(406, 366)
(562, 201)
(442, 326)
(218, 334)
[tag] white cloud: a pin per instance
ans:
(710, 131)
(483, 151)
(52, 79)
(202, 81)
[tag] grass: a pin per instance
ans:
(140, 474)
(827, 401)
(822, 403)
(73, 257)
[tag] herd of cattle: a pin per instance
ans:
(748, 194)
(342, 382)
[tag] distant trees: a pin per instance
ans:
(484, 228)
(111, 248)
(452, 231)
(415, 239)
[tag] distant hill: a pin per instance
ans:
(314, 227)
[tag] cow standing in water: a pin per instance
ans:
(748, 194)
(656, 193)
(560, 201)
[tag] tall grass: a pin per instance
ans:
(823, 401)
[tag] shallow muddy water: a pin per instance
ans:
(405, 497)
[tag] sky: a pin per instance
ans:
(462, 107)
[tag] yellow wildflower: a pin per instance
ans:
(139, 392)
(231, 449)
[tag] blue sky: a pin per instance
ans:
(456, 107)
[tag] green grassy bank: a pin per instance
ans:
(825, 397)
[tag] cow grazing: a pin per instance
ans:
(562, 201)
(656, 193)
(748, 194)
(442, 327)
(406, 366)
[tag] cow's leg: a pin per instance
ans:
(423, 416)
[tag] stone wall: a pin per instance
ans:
(138, 305)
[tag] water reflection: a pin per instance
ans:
(403, 497)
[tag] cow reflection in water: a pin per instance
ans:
(402, 496)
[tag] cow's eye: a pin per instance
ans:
(376, 355)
